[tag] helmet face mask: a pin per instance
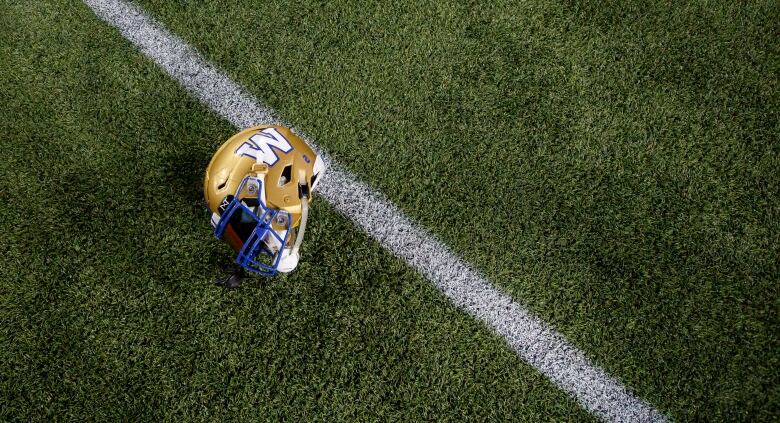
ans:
(259, 195)
(256, 232)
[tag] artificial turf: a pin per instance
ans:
(612, 165)
(107, 258)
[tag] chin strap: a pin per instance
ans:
(302, 228)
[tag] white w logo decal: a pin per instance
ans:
(261, 146)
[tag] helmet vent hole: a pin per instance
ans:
(221, 186)
(286, 175)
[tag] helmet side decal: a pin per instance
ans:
(261, 146)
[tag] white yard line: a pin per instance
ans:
(532, 339)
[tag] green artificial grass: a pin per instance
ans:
(612, 165)
(107, 258)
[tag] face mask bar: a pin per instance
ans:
(263, 242)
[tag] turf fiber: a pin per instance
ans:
(614, 167)
(107, 259)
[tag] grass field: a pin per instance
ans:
(612, 167)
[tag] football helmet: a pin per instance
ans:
(258, 187)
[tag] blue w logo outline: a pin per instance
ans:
(261, 146)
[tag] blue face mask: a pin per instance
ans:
(246, 224)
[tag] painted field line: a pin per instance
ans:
(533, 340)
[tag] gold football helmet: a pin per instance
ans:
(258, 187)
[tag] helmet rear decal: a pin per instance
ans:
(261, 146)
(319, 167)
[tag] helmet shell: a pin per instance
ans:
(274, 153)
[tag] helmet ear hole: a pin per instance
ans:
(286, 175)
